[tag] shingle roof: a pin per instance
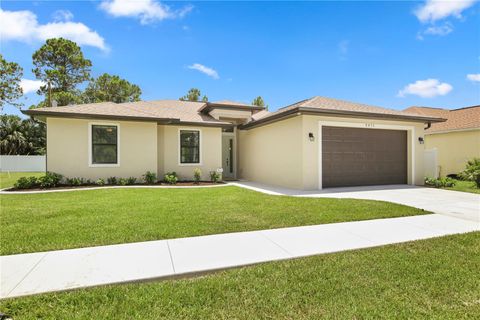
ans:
(457, 119)
(176, 111)
(326, 105)
(158, 110)
(233, 103)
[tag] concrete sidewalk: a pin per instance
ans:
(34, 273)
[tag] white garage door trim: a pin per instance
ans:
(366, 125)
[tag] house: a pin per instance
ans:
(454, 141)
(312, 144)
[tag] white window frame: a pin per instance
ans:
(200, 157)
(368, 124)
(90, 145)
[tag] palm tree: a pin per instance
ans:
(19, 136)
(12, 139)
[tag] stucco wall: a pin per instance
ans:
(282, 154)
(272, 154)
(67, 148)
(454, 149)
(168, 152)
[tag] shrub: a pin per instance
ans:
(122, 181)
(472, 171)
(150, 177)
(197, 175)
(214, 176)
(170, 178)
(440, 182)
(131, 180)
(75, 181)
(112, 180)
(50, 180)
(100, 182)
(26, 183)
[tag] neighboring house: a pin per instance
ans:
(454, 141)
(315, 143)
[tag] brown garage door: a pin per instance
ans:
(360, 157)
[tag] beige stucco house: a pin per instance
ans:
(313, 144)
(453, 142)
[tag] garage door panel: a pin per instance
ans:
(357, 156)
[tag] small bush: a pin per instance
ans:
(112, 180)
(131, 180)
(472, 171)
(122, 181)
(26, 183)
(440, 182)
(197, 175)
(49, 180)
(150, 177)
(214, 176)
(100, 182)
(170, 178)
(75, 181)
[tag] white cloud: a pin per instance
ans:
(439, 30)
(30, 85)
(147, 11)
(62, 15)
(433, 10)
(442, 30)
(428, 88)
(206, 70)
(23, 26)
(474, 77)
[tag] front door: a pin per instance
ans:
(228, 156)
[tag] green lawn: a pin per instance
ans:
(465, 186)
(428, 279)
(40, 222)
(7, 179)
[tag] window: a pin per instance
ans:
(104, 144)
(189, 146)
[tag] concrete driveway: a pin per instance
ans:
(457, 204)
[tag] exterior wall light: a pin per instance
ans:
(311, 137)
(420, 139)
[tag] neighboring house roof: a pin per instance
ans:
(457, 119)
(323, 105)
(161, 111)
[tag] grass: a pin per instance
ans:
(434, 279)
(7, 179)
(465, 186)
(41, 222)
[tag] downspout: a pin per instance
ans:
(429, 124)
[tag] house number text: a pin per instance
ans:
(370, 125)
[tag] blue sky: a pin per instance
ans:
(391, 54)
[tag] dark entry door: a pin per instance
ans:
(361, 157)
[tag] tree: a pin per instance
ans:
(111, 88)
(258, 101)
(60, 64)
(19, 136)
(193, 95)
(10, 89)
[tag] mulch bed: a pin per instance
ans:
(179, 184)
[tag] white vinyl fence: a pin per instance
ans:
(23, 163)
(430, 163)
